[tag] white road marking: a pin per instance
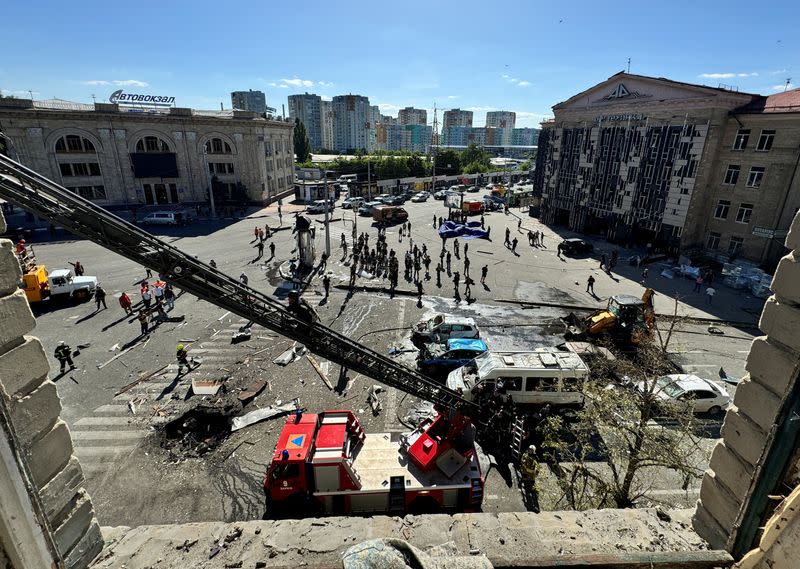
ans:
(103, 451)
(102, 421)
(223, 316)
(107, 435)
(120, 409)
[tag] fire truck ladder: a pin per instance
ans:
(48, 200)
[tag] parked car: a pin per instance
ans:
(576, 246)
(441, 359)
(166, 218)
(443, 327)
(440, 194)
(319, 206)
(367, 207)
(419, 198)
(689, 392)
(395, 200)
(473, 189)
(352, 203)
(382, 198)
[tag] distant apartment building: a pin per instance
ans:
(457, 117)
(463, 136)
(255, 101)
(675, 165)
(308, 108)
(386, 119)
(524, 136)
(372, 126)
(501, 119)
(351, 114)
(410, 115)
(326, 121)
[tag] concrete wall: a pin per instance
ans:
(749, 430)
(49, 500)
(780, 543)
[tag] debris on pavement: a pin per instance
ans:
(252, 391)
(421, 412)
(263, 414)
(319, 371)
(372, 399)
(205, 386)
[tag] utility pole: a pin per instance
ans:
(369, 181)
(327, 217)
(435, 147)
(210, 183)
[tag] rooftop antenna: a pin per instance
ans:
(221, 108)
(788, 82)
(31, 93)
(629, 65)
(94, 99)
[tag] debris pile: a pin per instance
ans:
(198, 431)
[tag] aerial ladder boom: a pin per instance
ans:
(46, 199)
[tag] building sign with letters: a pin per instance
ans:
(770, 233)
(622, 92)
(620, 118)
(119, 96)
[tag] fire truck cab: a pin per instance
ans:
(326, 462)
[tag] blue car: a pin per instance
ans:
(441, 359)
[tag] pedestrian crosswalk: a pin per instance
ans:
(116, 429)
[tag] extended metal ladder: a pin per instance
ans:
(48, 200)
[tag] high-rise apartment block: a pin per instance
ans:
(501, 119)
(457, 117)
(410, 115)
(524, 136)
(326, 118)
(351, 114)
(255, 101)
(308, 109)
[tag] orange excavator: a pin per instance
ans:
(626, 318)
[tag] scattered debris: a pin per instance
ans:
(715, 330)
(114, 348)
(263, 414)
(132, 407)
(372, 399)
(205, 386)
(186, 545)
(422, 412)
(251, 391)
(198, 431)
(140, 380)
(122, 353)
(290, 355)
(234, 535)
(321, 373)
(728, 379)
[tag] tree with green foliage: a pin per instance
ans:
(448, 162)
(302, 148)
(477, 159)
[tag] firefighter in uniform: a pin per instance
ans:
(301, 309)
(182, 355)
(529, 468)
(63, 354)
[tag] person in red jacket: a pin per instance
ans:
(125, 303)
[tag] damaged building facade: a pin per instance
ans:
(675, 165)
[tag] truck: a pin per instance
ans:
(60, 284)
(435, 466)
(325, 463)
(389, 214)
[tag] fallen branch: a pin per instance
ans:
(140, 380)
(321, 373)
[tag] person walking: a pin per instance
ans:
(466, 266)
(467, 288)
(514, 245)
(698, 283)
(100, 297)
(63, 354)
(182, 355)
(644, 274)
(710, 292)
(353, 273)
(447, 259)
(260, 247)
(125, 303)
(271, 249)
(419, 291)
(456, 281)
(280, 216)
(531, 238)
(484, 272)
(455, 247)
(590, 285)
(169, 296)
(148, 274)
(434, 221)
(507, 242)
(483, 222)
(466, 248)
(558, 250)
(326, 285)
(519, 225)
(439, 270)
(144, 322)
(255, 233)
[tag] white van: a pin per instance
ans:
(543, 376)
(166, 218)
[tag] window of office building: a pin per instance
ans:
(220, 167)
(89, 192)
(745, 213)
(712, 242)
(218, 146)
(755, 176)
(765, 140)
(742, 136)
(74, 144)
(735, 245)
(731, 175)
(152, 144)
(721, 211)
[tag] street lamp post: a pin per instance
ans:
(327, 218)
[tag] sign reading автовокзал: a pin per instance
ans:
(119, 96)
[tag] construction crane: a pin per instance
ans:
(46, 199)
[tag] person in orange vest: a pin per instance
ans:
(20, 248)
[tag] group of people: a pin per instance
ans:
(158, 298)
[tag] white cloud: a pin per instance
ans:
(782, 87)
(451, 97)
(777, 71)
(523, 84)
(481, 109)
(96, 82)
(717, 75)
(516, 81)
(130, 83)
(753, 74)
(297, 82)
(388, 107)
(325, 84)
(273, 84)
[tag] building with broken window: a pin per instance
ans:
(675, 165)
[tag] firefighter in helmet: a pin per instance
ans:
(301, 309)
(529, 469)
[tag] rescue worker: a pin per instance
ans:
(169, 296)
(529, 468)
(63, 354)
(182, 355)
(301, 309)
(144, 321)
(78, 268)
(326, 284)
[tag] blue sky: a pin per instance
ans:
(504, 55)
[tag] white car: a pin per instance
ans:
(367, 207)
(440, 194)
(352, 203)
(420, 197)
(684, 391)
(443, 327)
(319, 206)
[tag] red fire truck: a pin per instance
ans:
(326, 463)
